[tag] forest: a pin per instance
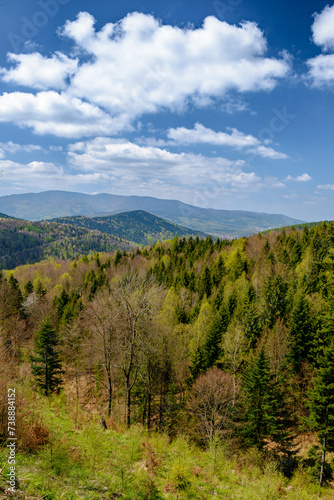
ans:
(25, 242)
(193, 368)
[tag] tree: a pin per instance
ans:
(321, 404)
(46, 365)
(266, 418)
(212, 346)
(101, 321)
(211, 403)
(300, 332)
(134, 297)
(234, 348)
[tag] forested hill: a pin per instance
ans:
(23, 242)
(224, 346)
(138, 226)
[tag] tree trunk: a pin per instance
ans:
(128, 404)
(149, 409)
(110, 396)
(322, 462)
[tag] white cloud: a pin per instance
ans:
(300, 178)
(12, 147)
(323, 28)
(200, 134)
(43, 175)
(326, 186)
(267, 152)
(36, 71)
(123, 159)
(58, 114)
(321, 68)
(133, 67)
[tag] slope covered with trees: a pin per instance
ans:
(23, 242)
(226, 343)
(138, 226)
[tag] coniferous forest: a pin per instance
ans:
(196, 368)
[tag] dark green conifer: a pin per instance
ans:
(45, 364)
(300, 333)
(266, 417)
(321, 404)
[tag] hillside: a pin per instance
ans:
(23, 242)
(190, 369)
(138, 226)
(222, 223)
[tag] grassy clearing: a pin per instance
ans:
(83, 461)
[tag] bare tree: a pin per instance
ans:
(134, 296)
(101, 321)
(211, 403)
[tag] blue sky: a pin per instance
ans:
(223, 104)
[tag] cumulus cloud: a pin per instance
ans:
(36, 71)
(58, 114)
(43, 175)
(133, 67)
(323, 28)
(326, 186)
(125, 160)
(300, 178)
(200, 134)
(321, 67)
(321, 70)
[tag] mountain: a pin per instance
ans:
(223, 223)
(137, 226)
(4, 216)
(23, 242)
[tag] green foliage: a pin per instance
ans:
(45, 364)
(21, 244)
(321, 402)
(137, 226)
(301, 333)
(264, 406)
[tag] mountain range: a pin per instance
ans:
(59, 204)
(26, 242)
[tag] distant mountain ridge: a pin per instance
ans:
(223, 223)
(136, 226)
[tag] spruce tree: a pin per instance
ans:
(265, 414)
(300, 333)
(321, 404)
(212, 346)
(45, 364)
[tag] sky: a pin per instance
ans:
(219, 104)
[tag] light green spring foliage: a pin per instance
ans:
(87, 462)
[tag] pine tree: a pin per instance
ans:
(46, 365)
(321, 404)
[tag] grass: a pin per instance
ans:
(83, 461)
